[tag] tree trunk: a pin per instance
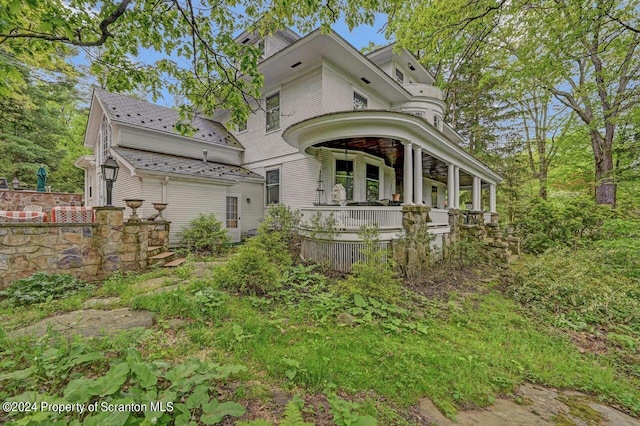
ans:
(603, 156)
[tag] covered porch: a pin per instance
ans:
(386, 160)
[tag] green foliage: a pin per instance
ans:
(373, 277)
(579, 288)
(546, 224)
(205, 235)
(251, 271)
(324, 226)
(183, 389)
(464, 252)
(345, 413)
(282, 219)
(40, 288)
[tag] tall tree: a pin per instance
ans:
(584, 53)
(191, 42)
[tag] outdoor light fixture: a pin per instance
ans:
(110, 174)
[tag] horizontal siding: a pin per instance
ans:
(299, 182)
(156, 142)
(128, 186)
(152, 191)
(337, 92)
(251, 212)
(187, 199)
(274, 44)
(299, 100)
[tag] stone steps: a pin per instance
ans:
(153, 250)
(161, 258)
(174, 263)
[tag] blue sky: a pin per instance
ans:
(359, 37)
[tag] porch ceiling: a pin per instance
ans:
(392, 151)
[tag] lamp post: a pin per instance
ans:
(110, 174)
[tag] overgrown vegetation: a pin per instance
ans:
(205, 235)
(41, 287)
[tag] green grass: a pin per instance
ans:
(466, 351)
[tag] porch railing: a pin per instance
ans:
(353, 217)
(439, 217)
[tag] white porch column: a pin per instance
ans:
(407, 178)
(417, 176)
(475, 195)
(451, 182)
(492, 198)
(456, 187)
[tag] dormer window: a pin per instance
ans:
(359, 102)
(399, 76)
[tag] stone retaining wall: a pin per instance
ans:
(90, 251)
(16, 200)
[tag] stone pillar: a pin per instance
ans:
(492, 198)
(456, 187)
(407, 178)
(109, 238)
(417, 176)
(476, 199)
(413, 252)
(451, 183)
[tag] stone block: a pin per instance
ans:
(71, 230)
(29, 248)
(69, 262)
(4, 262)
(15, 240)
(87, 231)
(20, 263)
(90, 272)
(131, 229)
(3, 231)
(115, 236)
(111, 263)
(91, 256)
(74, 238)
(128, 257)
(43, 263)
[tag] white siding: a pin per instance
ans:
(166, 144)
(128, 186)
(152, 191)
(337, 92)
(299, 180)
(274, 44)
(299, 100)
(187, 199)
(251, 212)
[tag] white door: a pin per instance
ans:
(233, 216)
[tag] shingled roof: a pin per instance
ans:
(139, 113)
(166, 163)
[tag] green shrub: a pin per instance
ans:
(281, 219)
(374, 277)
(250, 272)
(205, 235)
(578, 288)
(40, 288)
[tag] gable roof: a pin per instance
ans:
(134, 112)
(172, 164)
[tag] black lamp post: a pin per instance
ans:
(110, 174)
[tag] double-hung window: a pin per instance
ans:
(399, 76)
(373, 182)
(273, 186)
(359, 101)
(344, 176)
(437, 122)
(273, 111)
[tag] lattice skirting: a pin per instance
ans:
(337, 255)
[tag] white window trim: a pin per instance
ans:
(336, 154)
(275, 129)
(396, 68)
(270, 169)
(440, 122)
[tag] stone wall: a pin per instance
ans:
(16, 200)
(90, 251)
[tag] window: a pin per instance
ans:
(344, 176)
(399, 76)
(242, 126)
(273, 186)
(273, 111)
(416, 113)
(359, 102)
(373, 182)
(261, 46)
(105, 139)
(437, 122)
(232, 212)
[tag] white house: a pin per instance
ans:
(328, 115)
